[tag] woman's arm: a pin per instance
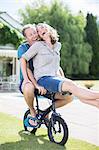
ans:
(60, 72)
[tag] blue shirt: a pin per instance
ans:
(21, 50)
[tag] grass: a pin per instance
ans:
(12, 137)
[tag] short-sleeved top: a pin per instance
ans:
(21, 50)
(46, 60)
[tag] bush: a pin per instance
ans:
(7, 35)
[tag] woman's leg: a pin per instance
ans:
(80, 92)
(64, 100)
(91, 102)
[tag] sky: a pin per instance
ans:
(12, 6)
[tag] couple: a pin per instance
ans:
(43, 53)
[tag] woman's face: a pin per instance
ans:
(43, 32)
(31, 34)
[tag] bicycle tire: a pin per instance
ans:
(59, 120)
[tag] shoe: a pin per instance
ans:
(28, 124)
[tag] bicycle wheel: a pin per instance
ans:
(30, 129)
(58, 130)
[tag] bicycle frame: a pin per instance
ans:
(49, 109)
(56, 126)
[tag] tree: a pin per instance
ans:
(79, 52)
(76, 53)
(93, 39)
(8, 35)
(35, 13)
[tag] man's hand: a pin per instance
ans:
(41, 89)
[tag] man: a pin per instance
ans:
(27, 87)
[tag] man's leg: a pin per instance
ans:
(62, 100)
(28, 92)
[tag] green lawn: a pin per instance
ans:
(12, 137)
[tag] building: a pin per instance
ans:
(10, 21)
(9, 65)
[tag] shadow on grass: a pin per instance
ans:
(31, 142)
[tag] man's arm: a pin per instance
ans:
(26, 69)
(23, 63)
(27, 73)
(32, 79)
(28, 76)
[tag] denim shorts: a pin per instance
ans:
(51, 83)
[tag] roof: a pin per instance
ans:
(10, 21)
(8, 51)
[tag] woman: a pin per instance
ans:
(27, 86)
(46, 60)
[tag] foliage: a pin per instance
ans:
(34, 15)
(98, 25)
(93, 39)
(7, 35)
(76, 53)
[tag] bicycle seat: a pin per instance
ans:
(50, 95)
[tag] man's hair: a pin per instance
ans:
(26, 27)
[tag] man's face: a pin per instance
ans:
(31, 35)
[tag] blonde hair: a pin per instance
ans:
(53, 32)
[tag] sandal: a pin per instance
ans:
(28, 124)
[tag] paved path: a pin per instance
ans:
(82, 119)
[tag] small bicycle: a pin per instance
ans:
(56, 126)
